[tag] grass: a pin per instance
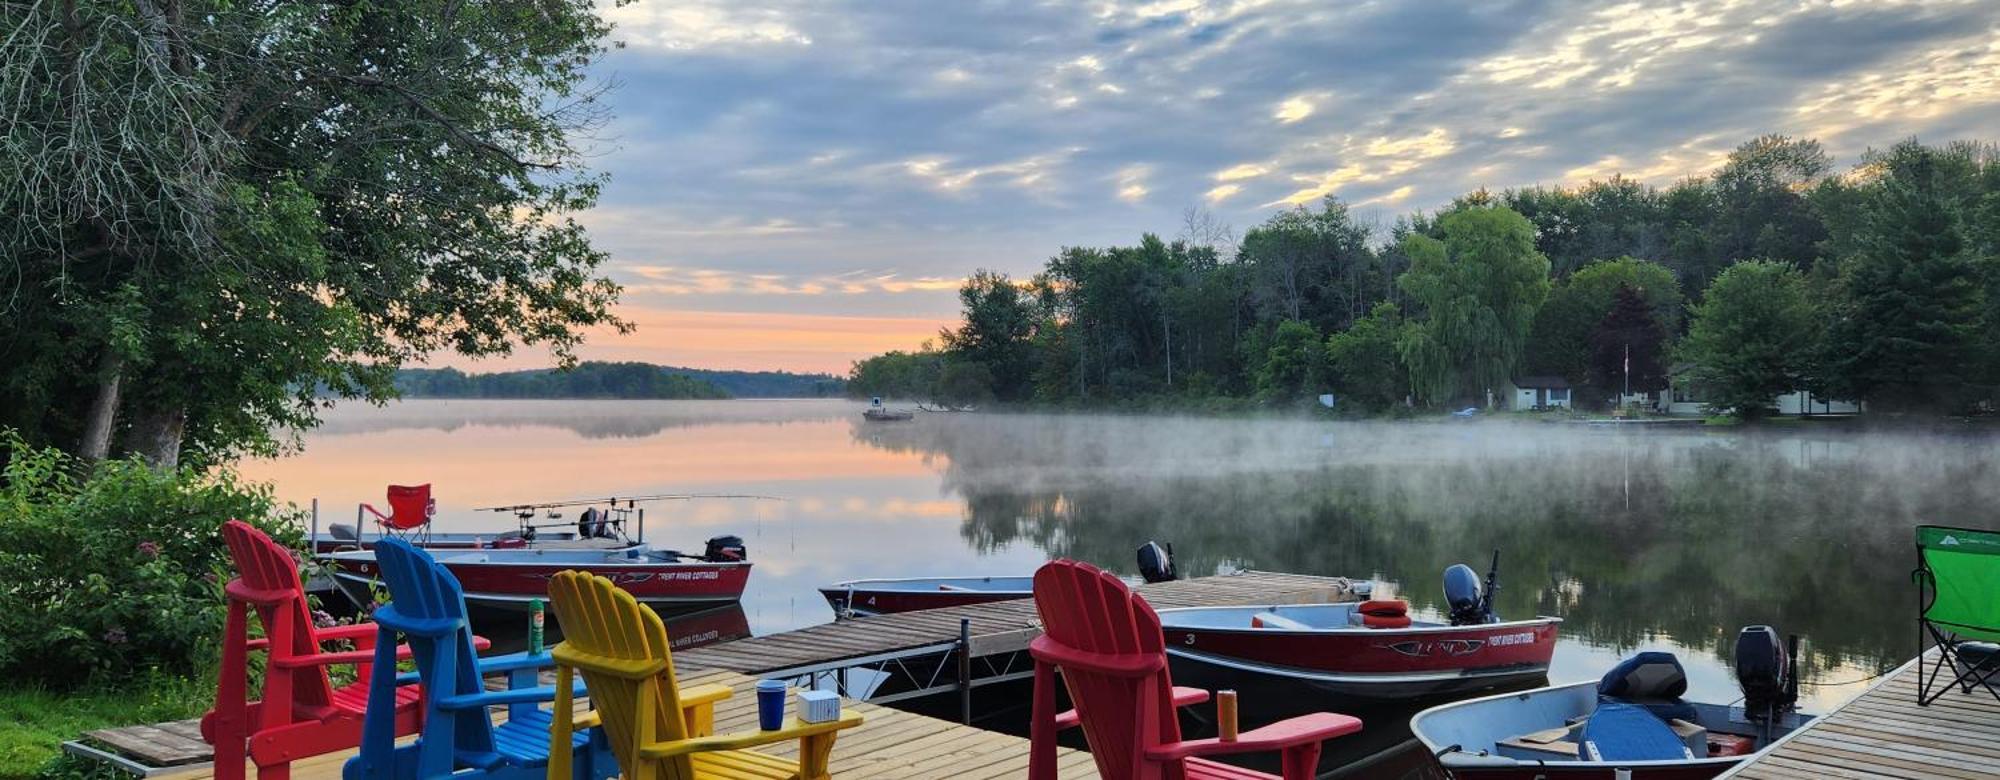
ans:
(38, 721)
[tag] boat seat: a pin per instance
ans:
(1275, 620)
(1556, 744)
(1622, 732)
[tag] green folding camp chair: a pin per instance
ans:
(1958, 601)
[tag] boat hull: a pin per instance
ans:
(862, 603)
(1379, 662)
(513, 585)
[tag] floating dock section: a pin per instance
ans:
(1884, 734)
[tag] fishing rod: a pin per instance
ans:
(629, 501)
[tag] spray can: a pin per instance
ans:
(535, 627)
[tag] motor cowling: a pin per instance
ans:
(1764, 672)
(1465, 595)
(1156, 563)
(725, 549)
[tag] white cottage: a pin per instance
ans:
(1538, 392)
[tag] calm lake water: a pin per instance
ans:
(1654, 539)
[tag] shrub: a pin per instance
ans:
(115, 571)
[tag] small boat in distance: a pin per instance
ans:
(1370, 649)
(1630, 724)
(878, 413)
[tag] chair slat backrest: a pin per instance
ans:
(606, 635)
(1964, 566)
(1088, 609)
(423, 592)
(268, 569)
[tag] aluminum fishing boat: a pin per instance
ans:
(861, 598)
(511, 578)
(1633, 720)
(1371, 649)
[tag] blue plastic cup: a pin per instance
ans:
(770, 704)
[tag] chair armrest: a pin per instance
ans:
(516, 661)
(335, 659)
(1183, 696)
(586, 720)
(1302, 730)
(466, 701)
(711, 693)
(746, 739)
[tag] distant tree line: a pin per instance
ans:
(616, 380)
(1774, 273)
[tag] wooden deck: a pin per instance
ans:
(890, 744)
(1000, 627)
(1884, 734)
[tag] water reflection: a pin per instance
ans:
(1653, 540)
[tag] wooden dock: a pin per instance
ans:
(916, 645)
(1884, 734)
(890, 744)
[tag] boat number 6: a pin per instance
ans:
(1189, 640)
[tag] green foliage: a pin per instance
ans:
(1559, 343)
(1295, 364)
(590, 379)
(1627, 348)
(963, 384)
(998, 333)
(39, 720)
(1751, 337)
(115, 573)
(1368, 373)
(1312, 266)
(228, 208)
(1479, 287)
(906, 375)
(1905, 337)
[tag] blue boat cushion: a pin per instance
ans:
(1622, 732)
(1649, 675)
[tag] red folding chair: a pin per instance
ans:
(410, 507)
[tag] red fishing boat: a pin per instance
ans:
(511, 578)
(1371, 649)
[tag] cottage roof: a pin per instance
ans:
(1542, 382)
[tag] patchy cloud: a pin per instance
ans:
(784, 143)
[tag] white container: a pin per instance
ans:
(819, 706)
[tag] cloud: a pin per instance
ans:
(688, 26)
(1242, 171)
(1132, 183)
(671, 280)
(1293, 110)
(1222, 193)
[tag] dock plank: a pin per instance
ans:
(1883, 733)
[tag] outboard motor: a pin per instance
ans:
(1462, 592)
(725, 549)
(1156, 563)
(593, 525)
(1767, 672)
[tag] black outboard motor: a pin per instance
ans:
(1156, 563)
(1471, 603)
(725, 549)
(592, 524)
(1767, 672)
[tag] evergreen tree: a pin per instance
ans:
(1626, 349)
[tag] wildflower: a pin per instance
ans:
(322, 619)
(115, 636)
(149, 549)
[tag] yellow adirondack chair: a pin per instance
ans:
(658, 731)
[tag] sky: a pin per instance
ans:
(797, 184)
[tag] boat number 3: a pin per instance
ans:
(1189, 640)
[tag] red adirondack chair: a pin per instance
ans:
(1107, 642)
(410, 506)
(301, 713)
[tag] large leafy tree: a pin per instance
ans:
(1751, 337)
(1479, 288)
(1626, 350)
(214, 211)
(1904, 339)
(998, 331)
(1295, 365)
(1313, 266)
(1560, 343)
(1367, 372)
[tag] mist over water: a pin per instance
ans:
(1639, 539)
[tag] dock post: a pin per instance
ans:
(965, 671)
(642, 525)
(312, 542)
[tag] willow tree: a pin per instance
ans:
(213, 211)
(1479, 287)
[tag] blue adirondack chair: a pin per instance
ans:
(427, 608)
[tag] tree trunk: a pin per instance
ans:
(155, 435)
(96, 444)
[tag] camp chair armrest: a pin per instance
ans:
(466, 701)
(335, 659)
(515, 662)
(1302, 730)
(795, 729)
(1140, 665)
(1183, 697)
